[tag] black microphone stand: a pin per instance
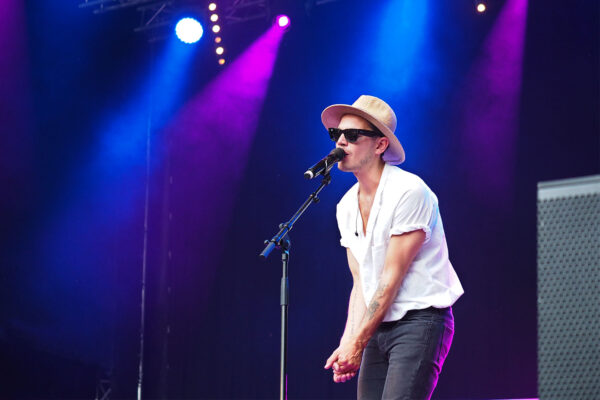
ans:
(281, 241)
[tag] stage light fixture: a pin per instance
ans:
(212, 7)
(283, 21)
(218, 39)
(188, 30)
(219, 50)
(481, 7)
(216, 28)
(214, 18)
(221, 61)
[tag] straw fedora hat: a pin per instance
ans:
(377, 112)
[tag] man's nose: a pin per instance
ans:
(342, 140)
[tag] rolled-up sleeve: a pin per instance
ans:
(415, 210)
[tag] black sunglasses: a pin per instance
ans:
(351, 135)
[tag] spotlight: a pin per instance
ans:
(188, 30)
(481, 7)
(283, 21)
(212, 6)
(214, 18)
(221, 61)
(219, 50)
(216, 28)
(218, 39)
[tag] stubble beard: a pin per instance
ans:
(368, 158)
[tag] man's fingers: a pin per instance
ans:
(329, 362)
(341, 367)
(332, 358)
(337, 378)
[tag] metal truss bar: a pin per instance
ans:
(240, 4)
(104, 386)
(246, 10)
(92, 3)
(111, 5)
(235, 20)
(157, 10)
(155, 5)
(155, 16)
(143, 28)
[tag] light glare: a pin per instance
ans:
(221, 61)
(214, 18)
(283, 21)
(216, 28)
(481, 7)
(219, 50)
(188, 30)
(212, 6)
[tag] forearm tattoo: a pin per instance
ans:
(374, 306)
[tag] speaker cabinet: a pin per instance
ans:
(568, 266)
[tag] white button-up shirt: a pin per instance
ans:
(402, 203)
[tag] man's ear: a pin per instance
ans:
(382, 145)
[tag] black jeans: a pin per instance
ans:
(404, 358)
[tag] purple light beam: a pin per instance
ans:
(490, 112)
(210, 141)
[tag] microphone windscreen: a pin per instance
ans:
(338, 153)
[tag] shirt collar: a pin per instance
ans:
(376, 201)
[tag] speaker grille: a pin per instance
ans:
(568, 295)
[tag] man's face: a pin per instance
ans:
(362, 152)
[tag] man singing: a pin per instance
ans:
(400, 323)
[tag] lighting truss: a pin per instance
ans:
(247, 10)
(101, 6)
(156, 14)
(104, 386)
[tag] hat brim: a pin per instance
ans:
(332, 115)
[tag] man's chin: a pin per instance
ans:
(343, 167)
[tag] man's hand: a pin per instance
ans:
(338, 378)
(345, 361)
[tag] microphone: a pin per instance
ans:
(323, 166)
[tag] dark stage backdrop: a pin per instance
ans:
(81, 94)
